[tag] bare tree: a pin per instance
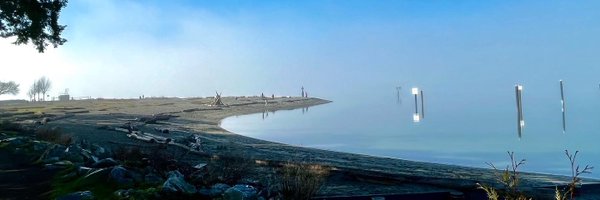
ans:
(31, 94)
(9, 88)
(44, 86)
(35, 90)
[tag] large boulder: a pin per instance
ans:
(176, 184)
(100, 152)
(218, 189)
(74, 153)
(121, 176)
(240, 192)
(81, 195)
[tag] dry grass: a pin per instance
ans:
(229, 168)
(54, 135)
(302, 181)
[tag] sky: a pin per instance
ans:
(334, 48)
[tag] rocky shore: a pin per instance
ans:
(174, 148)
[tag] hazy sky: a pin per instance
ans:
(120, 48)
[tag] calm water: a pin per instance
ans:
(462, 125)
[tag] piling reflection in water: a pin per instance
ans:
(422, 106)
(562, 102)
(398, 101)
(304, 110)
(520, 120)
(265, 114)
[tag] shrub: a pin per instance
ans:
(228, 168)
(509, 178)
(570, 189)
(131, 156)
(301, 181)
(54, 135)
(7, 125)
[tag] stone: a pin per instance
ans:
(51, 160)
(57, 151)
(106, 162)
(100, 152)
(81, 195)
(16, 141)
(218, 189)
(200, 165)
(121, 176)
(74, 153)
(64, 163)
(40, 146)
(136, 176)
(176, 184)
(153, 179)
(240, 192)
(123, 194)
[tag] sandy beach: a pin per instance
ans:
(352, 174)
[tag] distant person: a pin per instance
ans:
(272, 96)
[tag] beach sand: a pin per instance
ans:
(352, 174)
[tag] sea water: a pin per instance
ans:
(468, 126)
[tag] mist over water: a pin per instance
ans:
(467, 125)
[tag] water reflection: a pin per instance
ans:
(398, 101)
(304, 110)
(520, 120)
(422, 105)
(265, 114)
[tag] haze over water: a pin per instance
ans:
(466, 56)
(462, 125)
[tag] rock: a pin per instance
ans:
(16, 141)
(40, 146)
(44, 120)
(121, 176)
(176, 184)
(58, 165)
(162, 130)
(240, 192)
(100, 152)
(81, 195)
(136, 176)
(64, 163)
(200, 165)
(51, 160)
(74, 153)
(107, 162)
(123, 194)
(218, 189)
(153, 179)
(57, 151)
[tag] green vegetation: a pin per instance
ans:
(35, 21)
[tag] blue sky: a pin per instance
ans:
(192, 48)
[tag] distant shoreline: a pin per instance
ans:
(197, 116)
